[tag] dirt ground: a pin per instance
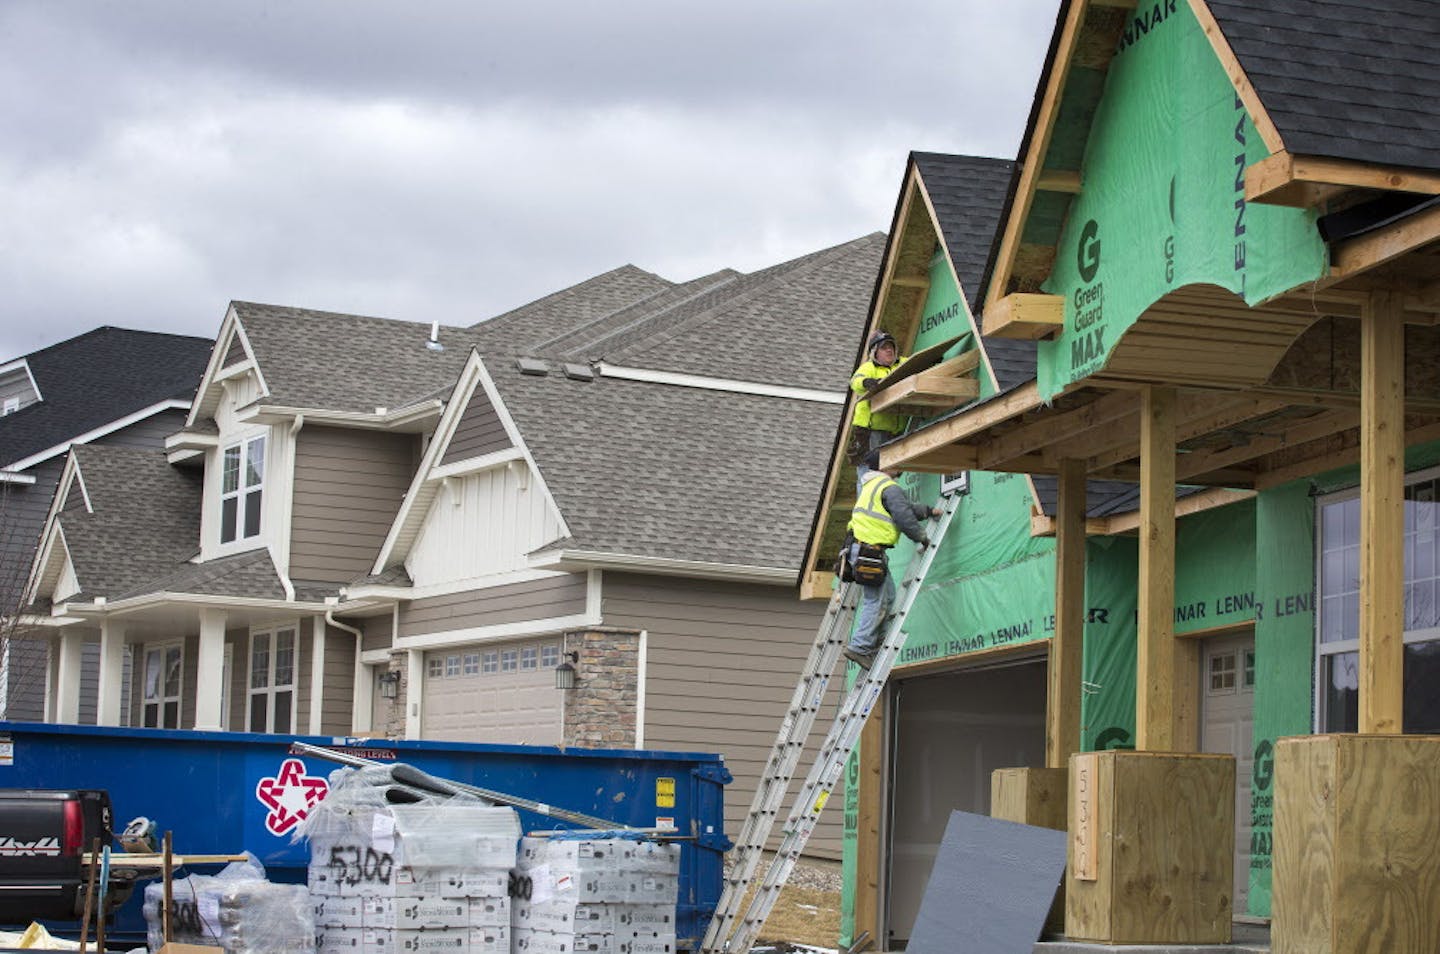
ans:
(809, 916)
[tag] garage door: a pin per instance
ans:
(495, 693)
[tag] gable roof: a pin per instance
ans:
(340, 362)
(96, 379)
(570, 308)
(1342, 78)
(967, 195)
(144, 518)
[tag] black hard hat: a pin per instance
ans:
(872, 459)
(879, 338)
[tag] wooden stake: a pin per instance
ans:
(89, 897)
(169, 874)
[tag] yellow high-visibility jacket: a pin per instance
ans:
(870, 522)
(892, 423)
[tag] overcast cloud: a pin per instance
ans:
(451, 160)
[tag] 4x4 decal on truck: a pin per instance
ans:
(289, 795)
(15, 848)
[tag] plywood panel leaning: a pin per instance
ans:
(1357, 844)
(1034, 796)
(1162, 857)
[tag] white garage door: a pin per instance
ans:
(495, 693)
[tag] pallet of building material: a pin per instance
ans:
(237, 910)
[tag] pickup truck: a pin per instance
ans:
(42, 836)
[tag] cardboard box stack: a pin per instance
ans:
(402, 878)
(595, 892)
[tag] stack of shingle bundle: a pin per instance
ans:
(237, 910)
(593, 892)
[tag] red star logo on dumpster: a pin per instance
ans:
(289, 795)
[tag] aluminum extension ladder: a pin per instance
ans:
(729, 931)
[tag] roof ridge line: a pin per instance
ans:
(647, 316)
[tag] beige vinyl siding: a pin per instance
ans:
(723, 660)
(348, 488)
(337, 706)
(378, 630)
(545, 598)
(236, 352)
(479, 432)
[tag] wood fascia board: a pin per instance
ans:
(962, 426)
(1239, 79)
(955, 277)
(1360, 254)
(817, 585)
(1269, 179)
(935, 394)
(1035, 151)
(892, 251)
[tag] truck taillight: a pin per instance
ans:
(74, 829)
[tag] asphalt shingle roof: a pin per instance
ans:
(249, 575)
(101, 376)
(145, 519)
(322, 359)
(1348, 79)
(1103, 498)
(570, 308)
(968, 194)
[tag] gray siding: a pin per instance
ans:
(90, 678)
(26, 699)
(723, 660)
(338, 705)
(22, 517)
(303, 656)
(479, 431)
(515, 603)
(239, 640)
(236, 354)
(378, 630)
(348, 488)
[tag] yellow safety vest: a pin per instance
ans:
(870, 522)
(892, 423)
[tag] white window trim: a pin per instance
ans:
(162, 648)
(242, 491)
(1340, 647)
(11, 405)
(270, 632)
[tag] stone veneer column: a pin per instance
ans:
(600, 711)
(391, 718)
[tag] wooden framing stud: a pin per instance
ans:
(1305, 181)
(1372, 249)
(1026, 316)
(1059, 180)
(1062, 708)
(1157, 691)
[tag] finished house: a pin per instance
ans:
(368, 526)
(109, 387)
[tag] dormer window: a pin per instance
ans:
(241, 486)
(11, 405)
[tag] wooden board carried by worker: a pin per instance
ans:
(922, 360)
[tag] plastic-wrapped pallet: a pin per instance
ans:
(593, 892)
(237, 910)
(422, 877)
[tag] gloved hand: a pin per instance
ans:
(870, 382)
(935, 511)
(922, 543)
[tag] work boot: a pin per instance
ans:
(863, 660)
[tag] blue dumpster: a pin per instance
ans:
(226, 792)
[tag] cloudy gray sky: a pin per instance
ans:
(453, 159)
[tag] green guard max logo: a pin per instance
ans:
(1089, 302)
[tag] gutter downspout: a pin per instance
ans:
(361, 703)
(295, 426)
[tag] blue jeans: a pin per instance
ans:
(874, 604)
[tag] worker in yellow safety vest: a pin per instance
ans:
(869, 430)
(882, 512)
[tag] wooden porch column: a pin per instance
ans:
(1062, 708)
(1382, 514)
(112, 672)
(1156, 702)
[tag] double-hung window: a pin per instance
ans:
(160, 699)
(1338, 656)
(242, 478)
(272, 680)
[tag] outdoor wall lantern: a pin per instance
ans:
(389, 684)
(565, 672)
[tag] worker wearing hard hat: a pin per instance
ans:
(869, 430)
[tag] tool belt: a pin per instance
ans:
(868, 567)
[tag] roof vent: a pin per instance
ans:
(434, 343)
(579, 372)
(532, 366)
